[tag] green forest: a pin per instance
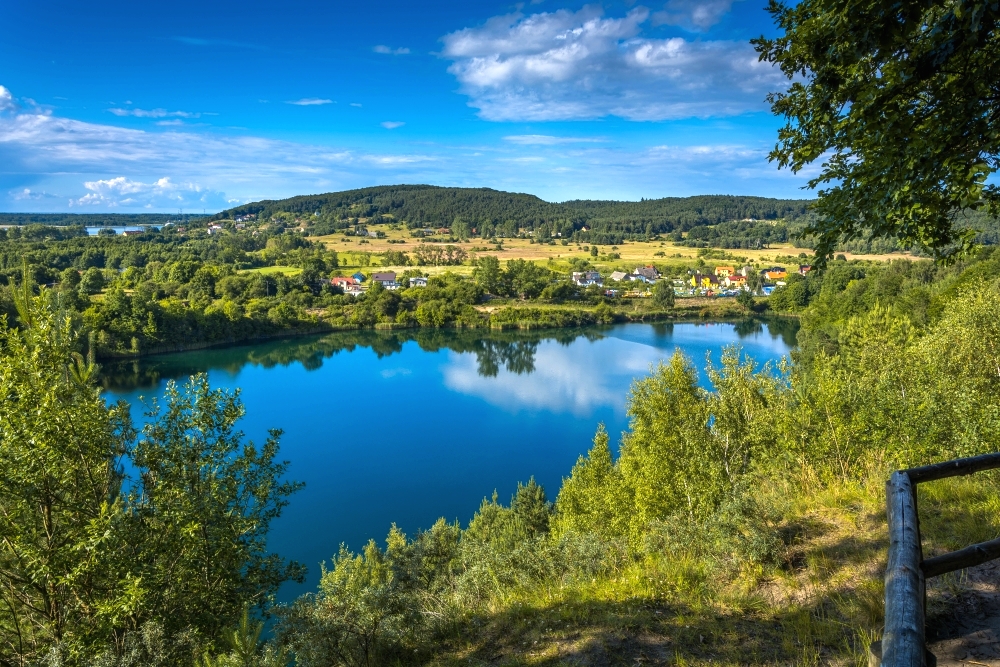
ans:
(177, 288)
(504, 214)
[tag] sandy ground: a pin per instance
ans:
(966, 631)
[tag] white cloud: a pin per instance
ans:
(355, 104)
(392, 124)
(310, 102)
(153, 113)
(6, 100)
(169, 123)
(695, 15)
(27, 194)
(45, 153)
(548, 140)
(123, 191)
(574, 378)
(582, 65)
(388, 50)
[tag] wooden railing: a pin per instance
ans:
(905, 596)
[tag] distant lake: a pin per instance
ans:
(410, 426)
(93, 231)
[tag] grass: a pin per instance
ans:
(271, 270)
(822, 604)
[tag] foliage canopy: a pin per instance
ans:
(901, 103)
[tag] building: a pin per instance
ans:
(804, 269)
(724, 271)
(704, 281)
(360, 277)
(354, 290)
(619, 276)
(387, 279)
(132, 232)
(736, 280)
(775, 274)
(418, 281)
(343, 282)
(648, 272)
(587, 278)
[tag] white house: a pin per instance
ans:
(418, 281)
(587, 278)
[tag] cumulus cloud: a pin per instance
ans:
(694, 15)
(548, 140)
(388, 50)
(309, 102)
(392, 124)
(104, 166)
(123, 191)
(568, 65)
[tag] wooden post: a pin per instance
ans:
(903, 637)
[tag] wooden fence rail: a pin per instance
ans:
(903, 640)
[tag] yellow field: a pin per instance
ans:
(558, 256)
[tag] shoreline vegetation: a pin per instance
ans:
(742, 524)
(306, 265)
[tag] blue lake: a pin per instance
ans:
(407, 427)
(119, 229)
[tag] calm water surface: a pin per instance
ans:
(407, 427)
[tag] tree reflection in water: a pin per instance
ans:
(513, 351)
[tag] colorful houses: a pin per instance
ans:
(704, 281)
(724, 271)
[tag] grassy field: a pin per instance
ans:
(270, 270)
(558, 257)
(822, 605)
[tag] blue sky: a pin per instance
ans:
(132, 107)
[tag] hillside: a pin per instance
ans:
(505, 212)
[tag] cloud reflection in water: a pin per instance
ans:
(576, 378)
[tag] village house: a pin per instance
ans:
(775, 274)
(704, 281)
(354, 290)
(387, 279)
(343, 282)
(214, 229)
(736, 280)
(648, 272)
(359, 277)
(804, 269)
(418, 281)
(587, 278)
(619, 276)
(132, 232)
(724, 271)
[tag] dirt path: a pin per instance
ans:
(963, 625)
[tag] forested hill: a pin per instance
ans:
(423, 205)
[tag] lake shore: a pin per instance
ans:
(501, 318)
